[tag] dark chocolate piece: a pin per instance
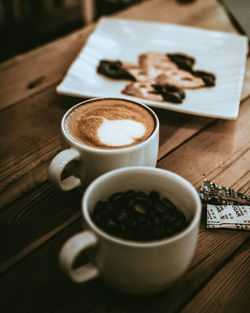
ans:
(182, 61)
(113, 69)
(170, 93)
(208, 78)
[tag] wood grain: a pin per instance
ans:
(214, 151)
(29, 138)
(27, 148)
(29, 83)
(214, 249)
(39, 274)
(28, 74)
(34, 215)
(218, 296)
(200, 13)
(36, 219)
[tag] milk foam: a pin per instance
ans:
(110, 123)
(117, 133)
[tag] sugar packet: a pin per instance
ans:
(226, 207)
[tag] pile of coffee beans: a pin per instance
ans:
(139, 216)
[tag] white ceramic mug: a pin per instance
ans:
(92, 162)
(135, 267)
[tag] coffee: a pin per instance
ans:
(139, 216)
(110, 123)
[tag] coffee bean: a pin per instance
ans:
(139, 216)
(138, 207)
(122, 216)
(140, 195)
(154, 196)
(116, 197)
(129, 194)
(168, 204)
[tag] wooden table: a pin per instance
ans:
(36, 219)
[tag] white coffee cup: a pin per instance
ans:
(93, 162)
(131, 266)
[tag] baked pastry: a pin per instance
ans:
(142, 90)
(179, 78)
(158, 76)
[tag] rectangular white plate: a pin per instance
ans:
(223, 54)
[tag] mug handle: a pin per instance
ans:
(69, 252)
(58, 164)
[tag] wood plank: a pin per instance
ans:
(30, 174)
(27, 74)
(38, 213)
(29, 138)
(205, 14)
(42, 287)
(214, 246)
(46, 266)
(176, 128)
(214, 151)
(228, 291)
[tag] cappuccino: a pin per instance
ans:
(110, 123)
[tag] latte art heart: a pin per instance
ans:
(110, 124)
(120, 132)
